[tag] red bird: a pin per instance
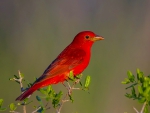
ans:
(75, 57)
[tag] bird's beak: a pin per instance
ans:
(97, 37)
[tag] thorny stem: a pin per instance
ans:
(142, 110)
(69, 88)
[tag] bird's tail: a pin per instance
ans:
(27, 93)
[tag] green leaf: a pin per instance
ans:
(140, 89)
(43, 91)
(128, 95)
(16, 76)
(148, 98)
(3, 109)
(146, 78)
(38, 98)
(11, 79)
(22, 75)
(12, 107)
(146, 92)
(1, 103)
(56, 99)
(49, 88)
(79, 76)
(55, 102)
(71, 98)
(130, 76)
(40, 101)
(29, 84)
(126, 81)
(48, 92)
(41, 110)
(87, 81)
(25, 100)
(71, 76)
(141, 100)
(146, 109)
(138, 71)
(145, 84)
(18, 103)
(59, 94)
(133, 92)
(80, 83)
(140, 76)
(48, 98)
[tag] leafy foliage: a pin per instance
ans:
(1, 103)
(48, 94)
(139, 88)
(12, 107)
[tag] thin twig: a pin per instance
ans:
(136, 110)
(36, 109)
(142, 110)
(20, 79)
(61, 104)
(77, 88)
(14, 112)
(21, 85)
(132, 85)
(69, 88)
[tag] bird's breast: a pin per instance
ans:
(80, 68)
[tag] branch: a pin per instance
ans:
(14, 112)
(136, 110)
(36, 109)
(69, 88)
(61, 104)
(142, 110)
(19, 80)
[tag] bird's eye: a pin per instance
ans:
(87, 37)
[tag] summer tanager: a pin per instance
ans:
(75, 57)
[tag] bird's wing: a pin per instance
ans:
(65, 62)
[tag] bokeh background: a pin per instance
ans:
(33, 33)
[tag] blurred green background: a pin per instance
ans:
(33, 33)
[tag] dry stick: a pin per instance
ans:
(13, 112)
(21, 85)
(36, 109)
(40, 108)
(136, 110)
(142, 110)
(63, 101)
(69, 88)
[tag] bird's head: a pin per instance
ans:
(86, 38)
